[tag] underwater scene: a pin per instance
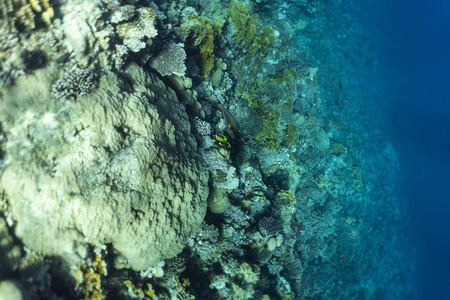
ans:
(203, 149)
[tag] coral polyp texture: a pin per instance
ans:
(117, 166)
(170, 61)
(134, 32)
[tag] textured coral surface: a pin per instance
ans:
(117, 166)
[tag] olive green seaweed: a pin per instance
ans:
(290, 135)
(204, 33)
(267, 96)
(247, 28)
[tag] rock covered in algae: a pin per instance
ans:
(116, 166)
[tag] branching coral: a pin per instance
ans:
(139, 292)
(88, 278)
(270, 226)
(23, 12)
(223, 174)
(133, 33)
(74, 84)
(177, 289)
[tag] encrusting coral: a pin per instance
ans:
(118, 166)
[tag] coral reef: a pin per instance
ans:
(98, 191)
(74, 84)
(170, 61)
(23, 12)
(134, 32)
(88, 278)
(119, 178)
(204, 33)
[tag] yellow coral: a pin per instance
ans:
(181, 289)
(263, 40)
(138, 292)
(150, 292)
(322, 182)
(23, 12)
(36, 5)
(88, 278)
(47, 15)
(186, 282)
(244, 24)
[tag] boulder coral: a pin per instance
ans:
(116, 166)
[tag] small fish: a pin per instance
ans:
(225, 145)
(64, 58)
(220, 137)
(222, 141)
(229, 120)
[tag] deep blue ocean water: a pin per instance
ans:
(414, 82)
(418, 52)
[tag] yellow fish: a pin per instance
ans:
(225, 145)
(220, 137)
(222, 141)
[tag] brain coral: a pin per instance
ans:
(116, 166)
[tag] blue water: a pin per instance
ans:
(419, 115)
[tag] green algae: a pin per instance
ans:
(244, 23)
(337, 149)
(263, 40)
(268, 96)
(248, 31)
(203, 32)
(290, 135)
